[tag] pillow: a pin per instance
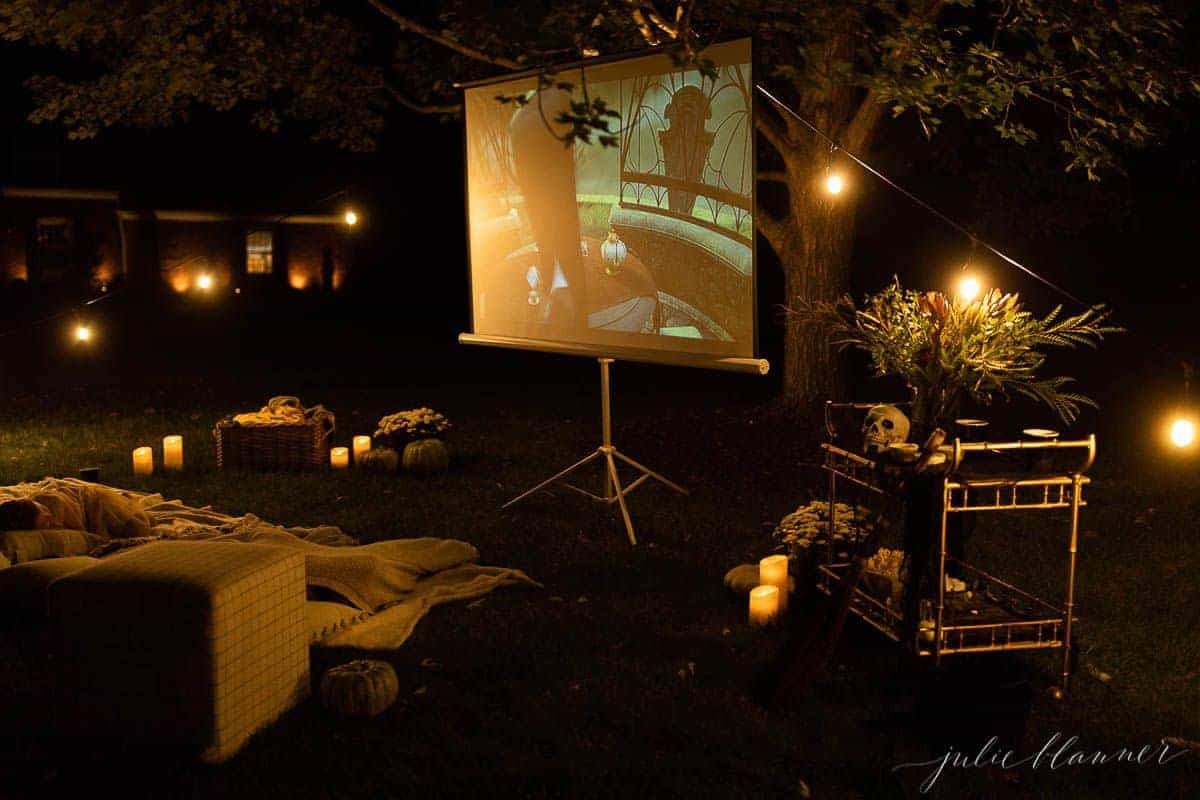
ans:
(4, 562)
(63, 508)
(21, 546)
(327, 618)
(111, 514)
(19, 515)
(23, 586)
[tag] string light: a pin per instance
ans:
(835, 183)
(351, 218)
(1183, 432)
(968, 288)
(83, 333)
(204, 282)
(918, 201)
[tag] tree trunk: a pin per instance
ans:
(815, 255)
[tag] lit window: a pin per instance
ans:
(258, 253)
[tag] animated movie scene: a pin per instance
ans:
(648, 243)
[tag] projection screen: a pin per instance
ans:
(643, 246)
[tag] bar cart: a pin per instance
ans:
(981, 477)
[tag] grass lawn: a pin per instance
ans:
(628, 674)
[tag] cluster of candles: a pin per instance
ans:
(143, 457)
(339, 457)
(768, 600)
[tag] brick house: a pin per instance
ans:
(87, 238)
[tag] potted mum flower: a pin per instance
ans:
(399, 429)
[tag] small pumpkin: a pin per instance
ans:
(362, 688)
(380, 459)
(426, 455)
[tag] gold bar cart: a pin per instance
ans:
(1007, 617)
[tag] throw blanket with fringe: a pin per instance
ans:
(285, 410)
(398, 580)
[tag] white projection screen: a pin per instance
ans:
(646, 245)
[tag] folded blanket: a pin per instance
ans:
(285, 410)
(402, 578)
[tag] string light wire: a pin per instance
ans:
(975, 240)
(62, 313)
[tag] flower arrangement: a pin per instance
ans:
(948, 350)
(416, 423)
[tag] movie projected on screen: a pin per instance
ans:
(647, 243)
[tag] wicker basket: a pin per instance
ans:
(273, 447)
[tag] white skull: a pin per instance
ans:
(883, 426)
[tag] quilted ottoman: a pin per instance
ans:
(198, 644)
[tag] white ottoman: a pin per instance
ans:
(193, 643)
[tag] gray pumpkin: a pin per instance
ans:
(380, 459)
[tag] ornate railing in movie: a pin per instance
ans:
(687, 149)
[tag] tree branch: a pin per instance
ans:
(774, 133)
(870, 110)
(411, 105)
(406, 24)
(774, 176)
(773, 230)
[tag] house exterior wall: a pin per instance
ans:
(187, 250)
(93, 254)
(306, 246)
(171, 249)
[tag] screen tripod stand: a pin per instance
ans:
(614, 490)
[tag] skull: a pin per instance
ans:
(883, 426)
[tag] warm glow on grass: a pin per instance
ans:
(351, 218)
(204, 282)
(1183, 432)
(835, 183)
(968, 288)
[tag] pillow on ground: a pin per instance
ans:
(21, 546)
(63, 508)
(744, 577)
(326, 618)
(23, 586)
(19, 515)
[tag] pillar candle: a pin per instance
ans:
(339, 458)
(764, 604)
(173, 452)
(362, 444)
(143, 461)
(773, 571)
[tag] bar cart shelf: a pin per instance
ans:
(978, 478)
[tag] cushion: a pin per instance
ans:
(4, 562)
(19, 514)
(744, 577)
(63, 509)
(22, 546)
(23, 587)
(327, 618)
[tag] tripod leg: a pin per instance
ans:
(650, 472)
(581, 462)
(612, 473)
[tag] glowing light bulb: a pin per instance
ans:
(1183, 432)
(968, 288)
(83, 333)
(351, 218)
(834, 184)
(204, 281)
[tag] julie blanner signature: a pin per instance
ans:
(1055, 754)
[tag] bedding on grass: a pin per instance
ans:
(395, 581)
